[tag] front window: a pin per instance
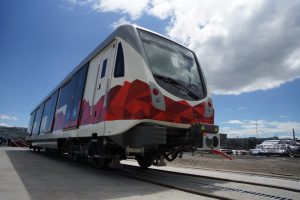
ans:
(174, 67)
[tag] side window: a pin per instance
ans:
(32, 116)
(80, 77)
(119, 67)
(45, 115)
(103, 68)
(68, 107)
(63, 111)
(48, 113)
(51, 118)
(37, 120)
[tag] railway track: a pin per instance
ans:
(218, 188)
(288, 177)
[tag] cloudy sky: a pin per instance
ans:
(249, 51)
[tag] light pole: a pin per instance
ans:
(256, 129)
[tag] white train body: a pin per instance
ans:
(137, 89)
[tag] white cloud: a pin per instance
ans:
(283, 116)
(243, 46)
(233, 122)
(120, 22)
(80, 2)
(6, 117)
(225, 129)
(133, 8)
(5, 125)
(241, 108)
(247, 128)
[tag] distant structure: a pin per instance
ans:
(223, 140)
(241, 143)
(13, 132)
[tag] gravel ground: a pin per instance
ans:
(286, 166)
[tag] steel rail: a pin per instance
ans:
(258, 174)
(131, 175)
(223, 179)
(130, 171)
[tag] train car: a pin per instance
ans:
(138, 94)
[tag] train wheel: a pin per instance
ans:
(101, 163)
(74, 157)
(144, 161)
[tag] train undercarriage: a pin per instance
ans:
(146, 143)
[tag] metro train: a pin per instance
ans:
(137, 95)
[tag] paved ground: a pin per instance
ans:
(28, 175)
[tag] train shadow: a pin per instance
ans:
(46, 176)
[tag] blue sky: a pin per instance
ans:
(42, 41)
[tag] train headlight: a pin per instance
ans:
(157, 97)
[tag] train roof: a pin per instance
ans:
(127, 32)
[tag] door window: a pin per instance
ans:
(103, 68)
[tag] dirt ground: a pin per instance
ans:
(272, 165)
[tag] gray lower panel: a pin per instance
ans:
(142, 136)
(46, 144)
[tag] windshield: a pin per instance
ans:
(170, 60)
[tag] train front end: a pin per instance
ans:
(180, 117)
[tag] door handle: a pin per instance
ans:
(99, 87)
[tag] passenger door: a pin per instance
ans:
(102, 84)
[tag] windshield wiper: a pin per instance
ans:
(181, 86)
